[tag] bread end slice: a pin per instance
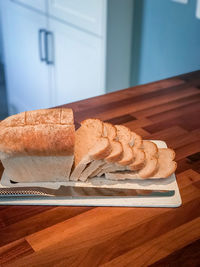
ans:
(166, 162)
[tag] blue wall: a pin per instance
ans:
(166, 40)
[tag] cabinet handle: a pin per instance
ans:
(42, 44)
(49, 37)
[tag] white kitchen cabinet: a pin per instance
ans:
(86, 14)
(78, 63)
(27, 78)
(83, 53)
(35, 4)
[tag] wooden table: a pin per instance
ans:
(168, 110)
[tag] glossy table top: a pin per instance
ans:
(166, 110)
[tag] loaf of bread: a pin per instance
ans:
(42, 146)
(38, 145)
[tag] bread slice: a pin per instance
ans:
(137, 140)
(126, 139)
(147, 150)
(162, 168)
(110, 132)
(151, 160)
(90, 144)
(166, 163)
(134, 142)
(149, 167)
(38, 146)
(117, 149)
(138, 153)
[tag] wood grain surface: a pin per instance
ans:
(167, 110)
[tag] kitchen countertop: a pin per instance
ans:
(92, 236)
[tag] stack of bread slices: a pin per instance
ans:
(117, 153)
(43, 146)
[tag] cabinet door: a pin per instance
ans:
(79, 64)
(86, 14)
(26, 75)
(35, 4)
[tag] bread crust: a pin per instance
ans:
(147, 150)
(167, 165)
(125, 137)
(117, 149)
(162, 167)
(116, 155)
(139, 159)
(90, 145)
(104, 151)
(47, 132)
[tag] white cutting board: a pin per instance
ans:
(161, 184)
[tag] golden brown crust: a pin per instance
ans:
(87, 137)
(166, 162)
(38, 132)
(139, 159)
(90, 141)
(150, 148)
(15, 120)
(90, 122)
(44, 116)
(125, 137)
(41, 116)
(157, 167)
(127, 156)
(117, 149)
(137, 140)
(66, 116)
(104, 150)
(110, 130)
(116, 153)
(149, 169)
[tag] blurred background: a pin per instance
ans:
(54, 52)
